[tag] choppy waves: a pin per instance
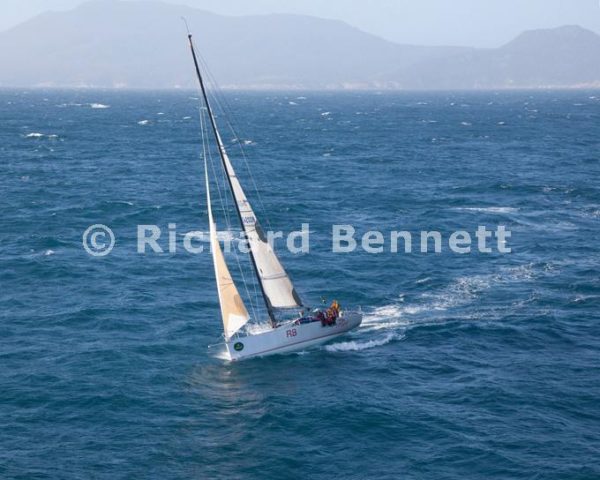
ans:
(466, 366)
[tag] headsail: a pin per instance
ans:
(233, 310)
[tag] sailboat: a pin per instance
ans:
(276, 288)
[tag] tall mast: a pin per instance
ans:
(222, 156)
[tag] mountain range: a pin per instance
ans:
(128, 44)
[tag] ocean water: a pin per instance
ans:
(478, 366)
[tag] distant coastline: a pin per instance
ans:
(292, 89)
(142, 45)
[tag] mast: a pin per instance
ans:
(224, 161)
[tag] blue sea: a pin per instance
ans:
(466, 366)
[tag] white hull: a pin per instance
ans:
(289, 337)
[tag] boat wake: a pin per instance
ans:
(388, 323)
(356, 345)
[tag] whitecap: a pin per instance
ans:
(99, 106)
(35, 135)
(63, 105)
(292, 103)
(466, 124)
(143, 122)
(49, 252)
(489, 209)
(584, 298)
(325, 114)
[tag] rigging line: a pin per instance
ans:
(224, 106)
(218, 97)
(206, 145)
(223, 197)
(221, 189)
(262, 208)
(224, 160)
(261, 204)
(206, 154)
(206, 148)
(222, 102)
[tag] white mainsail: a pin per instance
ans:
(233, 310)
(276, 284)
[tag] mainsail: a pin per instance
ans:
(275, 281)
(233, 310)
(276, 286)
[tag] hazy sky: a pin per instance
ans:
(480, 23)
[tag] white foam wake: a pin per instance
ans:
(353, 345)
(385, 317)
(431, 305)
